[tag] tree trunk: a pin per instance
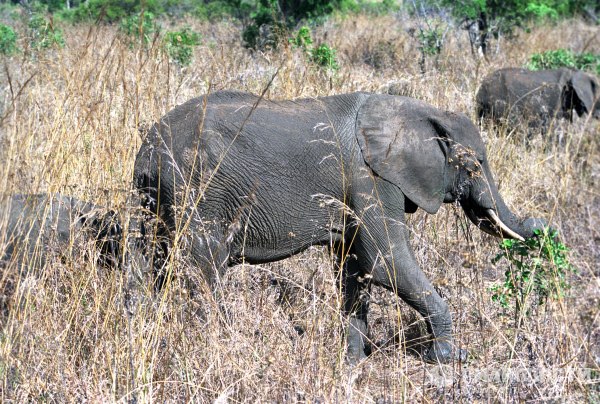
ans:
(482, 24)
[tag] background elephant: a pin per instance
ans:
(537, 97)
(238, 177)
(31, 225)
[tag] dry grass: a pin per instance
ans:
(69, 123)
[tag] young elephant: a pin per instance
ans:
(239, 177)
(537, 97)
(32, 225)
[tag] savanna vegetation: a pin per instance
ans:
(80, 80)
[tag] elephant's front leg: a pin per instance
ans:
(383, 245)
(403, 276)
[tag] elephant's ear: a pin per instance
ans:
(403, 141)
(586, 91)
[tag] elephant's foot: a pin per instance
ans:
(357, 345)
(443, 351)
(355, 355)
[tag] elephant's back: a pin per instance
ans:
(225, 123)
(520, 93)
(281, 136)
(290, 142)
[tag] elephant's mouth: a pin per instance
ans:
(488, 220)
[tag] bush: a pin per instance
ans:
(8, 40)
(486, 19)
(267, 27)
(43, 33)
(588, 61)
(537, 267)
(110, 10)
(377, 7)
(270, 20)
(179, 45)
(218, 9)
(554, 59)
(302, 39)
(139, 27)
(9, 12)
(325, 56)
(541, 11)
(295, 10)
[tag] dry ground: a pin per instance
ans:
(69, 123)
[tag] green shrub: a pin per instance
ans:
(52, 5)
(551, 60)
(179, 45)
(139, 27)
(295, 10)
(537, 268)
(9, 12)
(487, 19)
(376, 7)
(271, 20)
(215, 10)
(110, 11)
(43, 33)
(302, 39)
(588, 61)
(325, 56)
(554, 59)
(431, 40)
(8, 40)
(266, 28)
(541, 11)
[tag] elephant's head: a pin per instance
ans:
(435, 156)
(585, 94)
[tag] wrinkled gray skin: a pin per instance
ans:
(33, 225)
(537, 97)
(240, 178)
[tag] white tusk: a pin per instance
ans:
(502, 226)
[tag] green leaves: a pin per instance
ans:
(554, 59)
(541, 10)
(488, 19)
(323, 55)
(537, 267)
(43, 33)
(431, 40)
(179, 45)
(302, 39)
(139, 27)
(8, 40)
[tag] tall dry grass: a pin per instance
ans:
(77, 332)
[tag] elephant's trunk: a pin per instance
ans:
(488, 211)
(502, 222)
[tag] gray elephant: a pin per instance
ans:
(32, 225)
(535, 98)
(238, 177)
